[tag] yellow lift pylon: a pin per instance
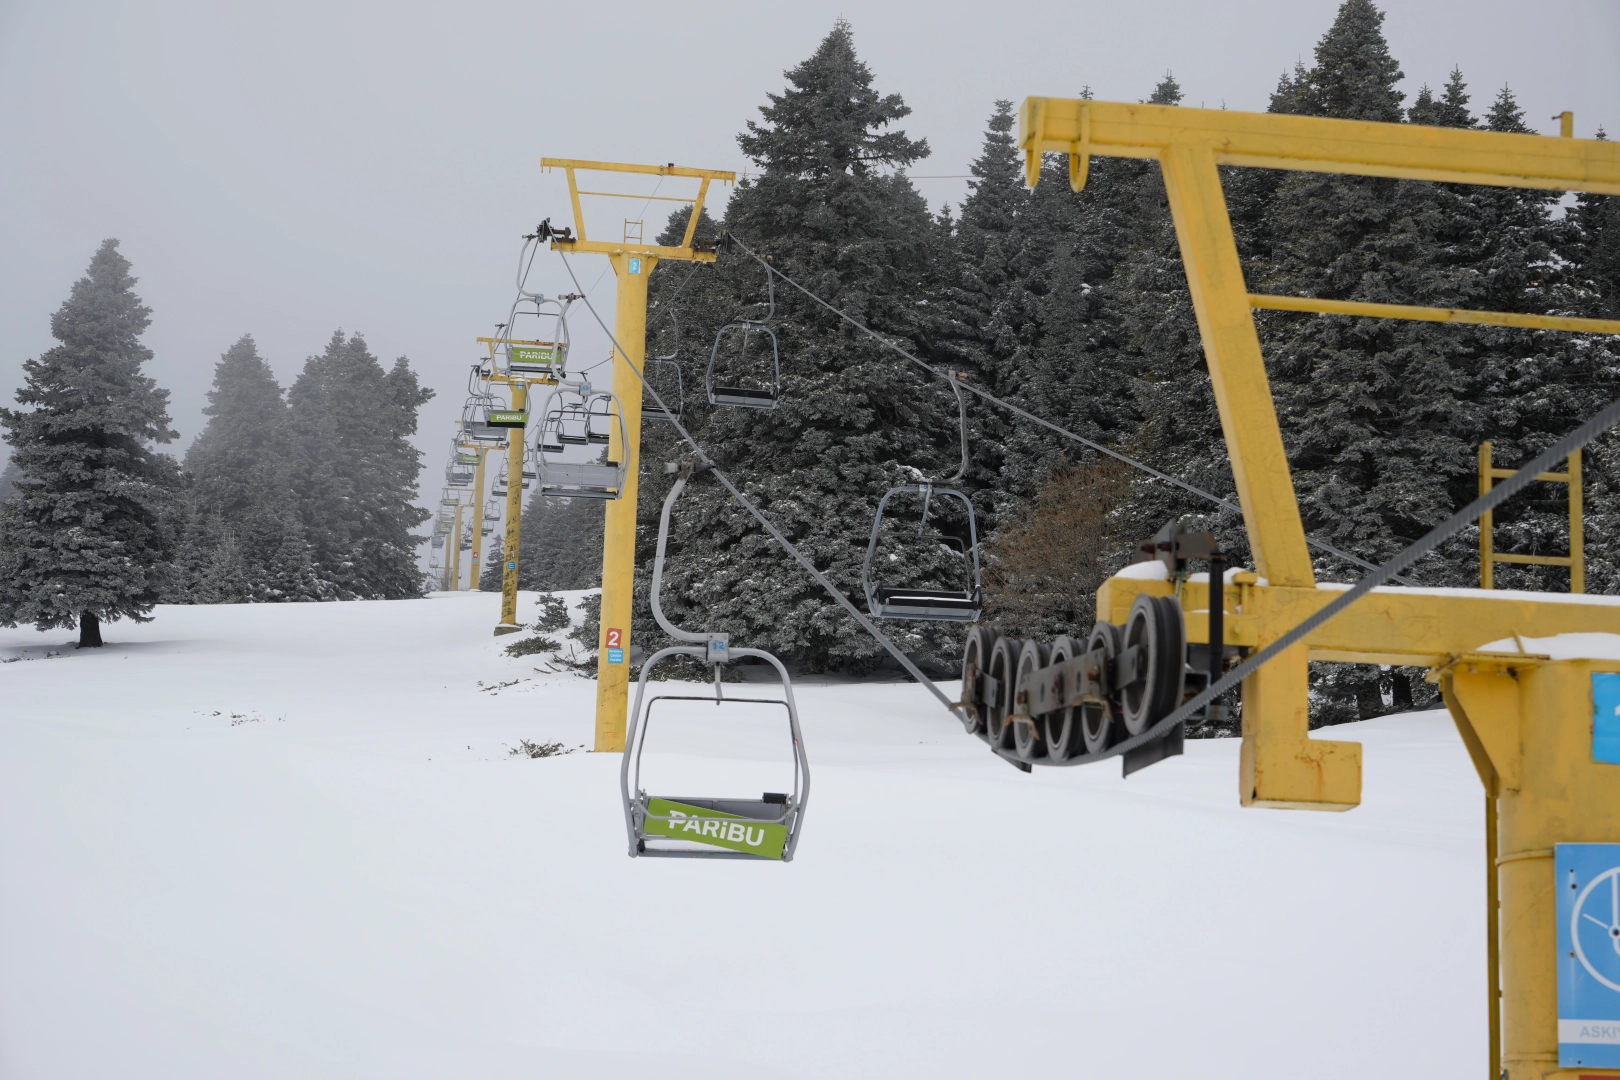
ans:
(633, 261)
(1526, 719)
(517, 443)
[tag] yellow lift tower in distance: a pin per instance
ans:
(633, 261)
(517, 444)
(483, 453)
(1527, 721)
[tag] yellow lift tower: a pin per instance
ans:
(633, 261)
(1528, 721)
(483, 453)
(516, 447)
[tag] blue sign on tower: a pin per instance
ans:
(1606, 717)
(1588, 877)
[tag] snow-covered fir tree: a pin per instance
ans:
(831, 207)
(240, 492)
(84, 540)
(354, 470)
(560, 547)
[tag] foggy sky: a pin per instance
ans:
(287, 169)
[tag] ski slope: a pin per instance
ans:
(288, 841)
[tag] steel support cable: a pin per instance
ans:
(665, 302)
(1438, 535)
(1027, 415)
(820, 578)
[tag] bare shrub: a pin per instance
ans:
(1044, 564)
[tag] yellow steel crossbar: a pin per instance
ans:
(684, 251)
(633, 195)
(1320, 144)
(1434, 314)
(645, 170)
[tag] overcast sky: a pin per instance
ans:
(284, 169)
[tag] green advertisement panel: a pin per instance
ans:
(763, 838)
(507, 418)
(533, 354)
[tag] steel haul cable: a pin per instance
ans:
(1379, 575)
(820, 578)
(1526, 475)
(1027, 415)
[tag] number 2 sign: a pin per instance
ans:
(615, 645)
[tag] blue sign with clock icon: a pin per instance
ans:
(1588, 877)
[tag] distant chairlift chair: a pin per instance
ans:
(546, 355)
(479, 423)
(933, 605)
(575, 414)
(692, 827)
(746, 383)
(662, 376)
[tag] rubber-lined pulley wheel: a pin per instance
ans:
(975, 662)
(1061, 726)
(1155, 627)
(1028, 739)
(1098, 719)
(1004, 670)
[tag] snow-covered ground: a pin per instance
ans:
(288, 841)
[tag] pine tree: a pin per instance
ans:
(84, 540)
(355, 470)
(854, 418)
(560, 548)
(8, 480)
(240, 473)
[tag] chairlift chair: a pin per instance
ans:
(492, 510)
(705, 827)
(932, 604)
(476, 424)
(906, 602)
(737, 385)
(502, 485)
(579, 479)
(545, 355)
(462, 467)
